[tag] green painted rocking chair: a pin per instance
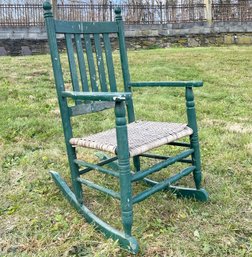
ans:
(94, 89)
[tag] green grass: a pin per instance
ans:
(36, 221)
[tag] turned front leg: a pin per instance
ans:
(124, 167)
(194, 140)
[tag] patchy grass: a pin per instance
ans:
(36, 221)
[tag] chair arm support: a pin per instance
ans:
(97, 96)
(167, 84)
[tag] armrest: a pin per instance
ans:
(97, 96)
(167, 84)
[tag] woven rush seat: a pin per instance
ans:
(142, 136)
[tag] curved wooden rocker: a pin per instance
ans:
(94, 89)
(128, 242)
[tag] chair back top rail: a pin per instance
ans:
(78, 27)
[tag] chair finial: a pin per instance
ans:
(118, 12)
(47, 9)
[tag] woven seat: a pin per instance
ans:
(142, 136)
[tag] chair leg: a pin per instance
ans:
(126, 195)
(77, 187)
(136, 161)
(124, 167)
(196, 160)
(192, 122)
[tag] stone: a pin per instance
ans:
(25, 50)
(228, 39)
(244, 40)
(219, 40)
(193, 42)
(137, 47)
(166, 45)
(3, 52)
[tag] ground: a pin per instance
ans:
(35, 220)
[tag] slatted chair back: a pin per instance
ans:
(90, 59)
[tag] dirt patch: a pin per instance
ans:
(242, 128)
(239, 128)
(213, 122)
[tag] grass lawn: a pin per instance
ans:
(35, 220)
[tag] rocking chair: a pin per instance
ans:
(94, 88)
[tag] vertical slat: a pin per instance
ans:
(109, 60)
(82, 66)
(100, 63)
(91, 64)
(72, 64)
